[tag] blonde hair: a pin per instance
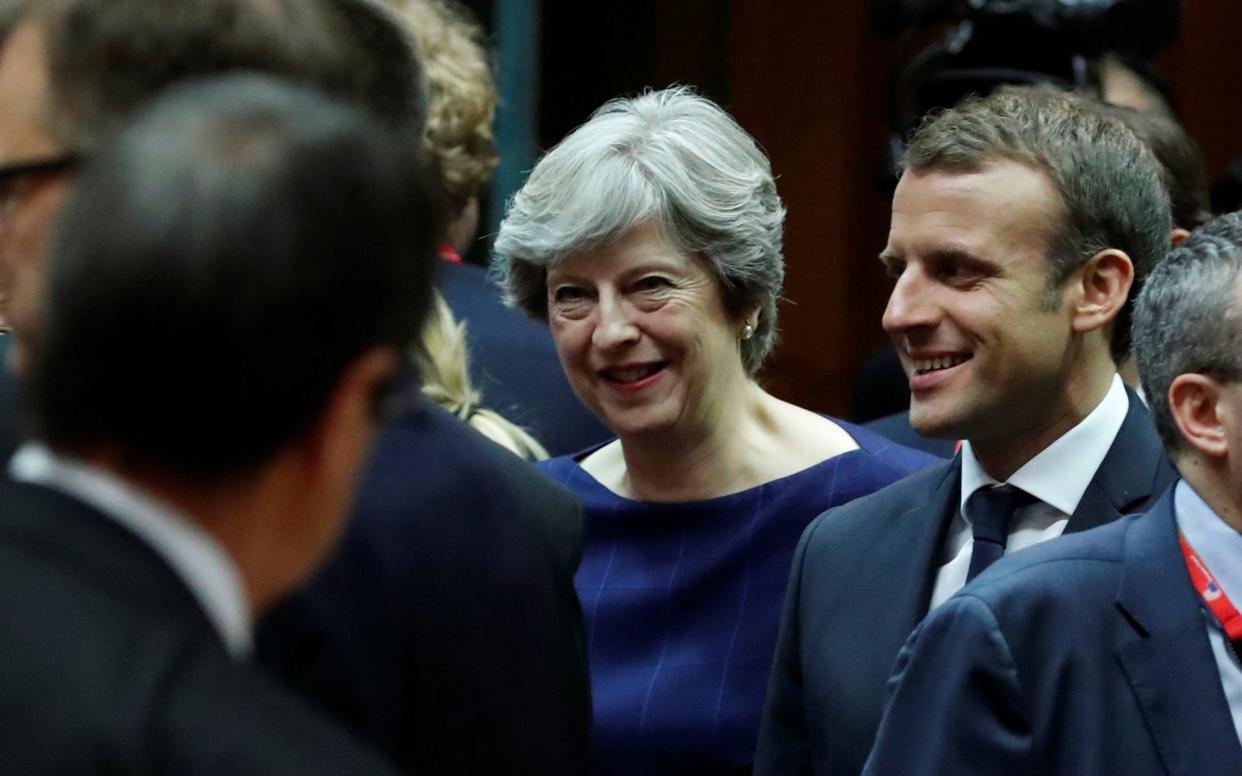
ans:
(461, 93)
(443, 362)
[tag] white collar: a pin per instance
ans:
(1217, 544)
(196, 557)
(1061, 472)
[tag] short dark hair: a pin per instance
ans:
(219, 265)
(106, 58)
(1181, 165)
(1108, 180)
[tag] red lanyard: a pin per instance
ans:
(1212, 594)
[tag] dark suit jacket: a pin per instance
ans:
(1087, 655)
(514, 363)
(897, 428)
(446, 629)
(109, 666)
(862, 580)
(8, 404)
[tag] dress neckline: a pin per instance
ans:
(598, 489)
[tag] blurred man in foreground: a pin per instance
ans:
(196, 264)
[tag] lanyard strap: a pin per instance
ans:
(1213, 595)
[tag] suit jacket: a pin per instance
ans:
(1081, 656)
(8, 403)
(862, 580)
(109, 666)
(514, 363)
(446, 629)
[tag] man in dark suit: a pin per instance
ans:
(1019, 227)
(446, 628)
(196, 264)
(1116, 650)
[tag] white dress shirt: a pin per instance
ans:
(196, 557)
(1057, 477)
(1220, 549)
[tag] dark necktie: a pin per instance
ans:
(990, 510)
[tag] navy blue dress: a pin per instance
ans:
(683, 602)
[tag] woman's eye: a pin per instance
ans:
(568, 295)
(651, 283)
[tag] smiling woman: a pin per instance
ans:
(650, 241)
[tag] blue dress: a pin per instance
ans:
(683, 602)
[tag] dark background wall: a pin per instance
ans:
(808, 81)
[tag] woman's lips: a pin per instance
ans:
(631, 378)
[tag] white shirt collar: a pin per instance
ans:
(196, 557)
(1061, 472)
(1217, 544)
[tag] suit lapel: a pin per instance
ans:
(909, 556)
(1134, 471)
(1169, 662)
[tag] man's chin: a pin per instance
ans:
(934, 425)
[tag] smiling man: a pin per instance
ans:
(1019, 228)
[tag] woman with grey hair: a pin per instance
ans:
(650, 240)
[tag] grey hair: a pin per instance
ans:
(1187, 318)
(672, 158)
(1109, 182)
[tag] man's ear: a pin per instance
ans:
(343, 431)
(1200, 415)
(1103, 287)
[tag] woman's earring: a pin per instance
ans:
(748, 331)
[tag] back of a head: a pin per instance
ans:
(1109, 182)
(217, 268)
(1180, 163)
(107, 58)
(1187, 318)
(461, 94)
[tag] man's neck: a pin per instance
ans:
(1001, 456)
(1210, 479)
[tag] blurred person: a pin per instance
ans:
(650, 239)
(448, 616)
(513, 363)
(1020, 225)
(73, 70)
(1115, 650)
(196, 264)
(444, 372)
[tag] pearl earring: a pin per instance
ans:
(748, 331)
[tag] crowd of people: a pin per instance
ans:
(290, 488)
